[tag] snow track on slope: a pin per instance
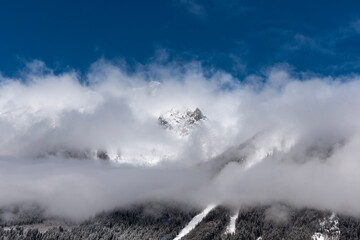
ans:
(195, 221)
(230, 229)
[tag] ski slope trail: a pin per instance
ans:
(195, 221)
(230, 229)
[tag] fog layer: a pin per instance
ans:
(300, 131)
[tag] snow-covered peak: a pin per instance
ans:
(181, 121)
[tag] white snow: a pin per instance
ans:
(147, 157)
(195, 221)
(318, 236)
(329, 229)
(230, 229)
(265, 144)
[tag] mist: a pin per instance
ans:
(300, 131)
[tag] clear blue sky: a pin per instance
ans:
(241, 37)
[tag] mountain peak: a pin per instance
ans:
(181, 121)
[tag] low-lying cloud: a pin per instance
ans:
(301, 135)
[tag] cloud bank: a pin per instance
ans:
(298, 133)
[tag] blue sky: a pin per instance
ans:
(241, 37)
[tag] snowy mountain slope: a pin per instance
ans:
(250, 152)
(178, 124)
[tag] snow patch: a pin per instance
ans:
(329, 229)
(230, 229)
(318, 236)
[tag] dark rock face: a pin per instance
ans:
(164, 123)
(165, 221)
(69, 153)
(101, 154)
(197, 115)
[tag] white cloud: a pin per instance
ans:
(304, 151)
